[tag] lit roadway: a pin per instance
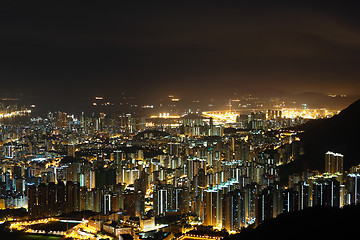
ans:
(187, 236)
(80, 231)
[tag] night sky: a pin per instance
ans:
(187, 49)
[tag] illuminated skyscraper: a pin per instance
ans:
(61, 120)
(179, 200)
(106, 204)
(326, 192)
(233, 210)
(334, 162)
(264, 206)
(72, 193)
(174, 149)
(71, 150)
(290, 200)
(250, 199)
(162, 199)
(269, 203)
(210, 207)
(9, 151)
(304, 194)
(353, 185)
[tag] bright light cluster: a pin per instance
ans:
(307, 113)
(23, 225)
(222, 116)
(14, 113)
(165, 115)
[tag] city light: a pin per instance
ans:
(15, 113)
(194, 168)
(308, 113)
(222, 116)
(186, 121)
(23, 225)
(165, 116)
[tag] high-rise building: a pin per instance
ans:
(304, 194)
(43, 200)
(334, 162)
(83, 199)
(71, 150)
(174, 149)
(353, 188)
(60, 197)
(130, 198)
(210, 207)
(290, 200)
(117, 197)
(250, 198)
(76, 196)
(269, 203)
(51, 199)
(72, 193)
(233, 210)
(107, 204)
(61, 120)
(214, 203)
(162, 199)
(32, 200)
(264, 206)
(9, 151)
(180, 201)
(105, 177)
(326, 192)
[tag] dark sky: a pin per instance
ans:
(207, 48)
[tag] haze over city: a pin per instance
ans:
(188, 49)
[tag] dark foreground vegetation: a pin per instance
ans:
(311, 223)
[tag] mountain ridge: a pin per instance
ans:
(341, 134)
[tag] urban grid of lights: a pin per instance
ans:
(231, 116)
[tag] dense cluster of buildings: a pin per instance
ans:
(128, 167)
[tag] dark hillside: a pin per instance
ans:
(340, 133)
(311, 223)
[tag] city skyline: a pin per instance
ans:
(205, 120)
(188, 176)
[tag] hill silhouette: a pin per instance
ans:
(311, 223)
(318, 100)
(337, 134)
